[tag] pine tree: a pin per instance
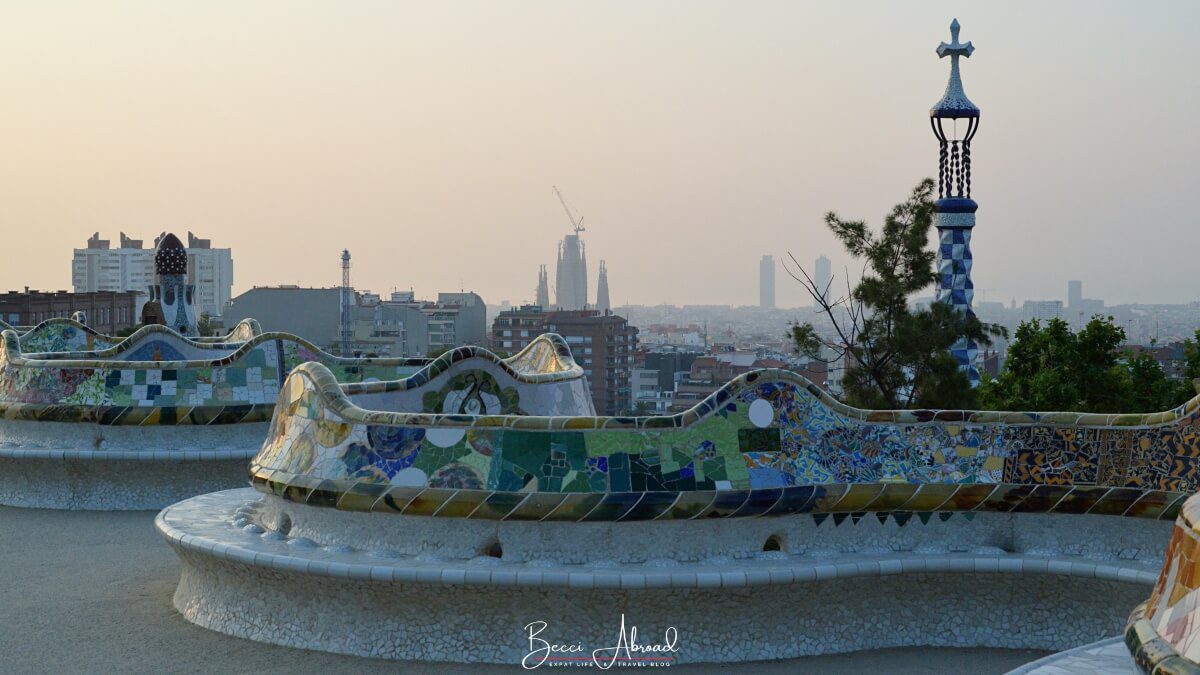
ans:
(895, 356)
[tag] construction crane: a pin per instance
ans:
(577, 224)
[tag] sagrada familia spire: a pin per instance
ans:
(570, 282)
(602, 302)
(543, 288)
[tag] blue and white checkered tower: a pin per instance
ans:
(954, 120)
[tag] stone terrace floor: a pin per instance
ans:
(91, 592)
(1110, 657)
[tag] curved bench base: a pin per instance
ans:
(57, 465)
(240, 579)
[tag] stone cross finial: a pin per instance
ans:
(954, 103)
(955, 49)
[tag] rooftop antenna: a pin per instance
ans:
(577, 224)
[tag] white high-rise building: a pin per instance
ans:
(130, 267)
(1042, 310)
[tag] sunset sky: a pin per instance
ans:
(693, 136)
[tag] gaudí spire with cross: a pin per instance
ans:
(955, 120)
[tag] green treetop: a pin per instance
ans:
(1050, 368)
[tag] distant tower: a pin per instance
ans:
(602, 302)
(174, 295)
(766, 282)
(1075, 296)
(543, 288)
(955, 210)
(822, 275)
(346, 304)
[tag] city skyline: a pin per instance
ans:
(1072, 302)
(820, 269)
(718, 139)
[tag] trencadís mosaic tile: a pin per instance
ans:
(1163, 633)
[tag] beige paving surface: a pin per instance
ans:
(91, 592)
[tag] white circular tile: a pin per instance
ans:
(762, 413)
(444, 438)
(410, 477)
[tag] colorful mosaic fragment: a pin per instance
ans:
(1163, 633)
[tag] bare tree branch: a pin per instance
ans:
(848, 331)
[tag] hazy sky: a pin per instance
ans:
(693, 136)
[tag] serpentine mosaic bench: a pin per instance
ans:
(757, 524)
(158, 418)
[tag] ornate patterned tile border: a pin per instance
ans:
(767, 443)
(145, 382)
